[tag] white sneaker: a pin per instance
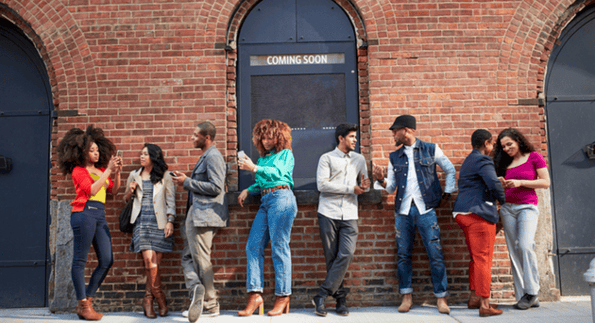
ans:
(195, 309)
(185, 314)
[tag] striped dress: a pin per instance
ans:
(146, 234)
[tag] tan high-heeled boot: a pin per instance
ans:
(254, 300)
(281, 306)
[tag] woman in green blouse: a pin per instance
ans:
(274, 180)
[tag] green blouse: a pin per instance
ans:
(274, 169)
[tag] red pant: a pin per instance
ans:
(480, 236)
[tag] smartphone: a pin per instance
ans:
(173, 174)
(241, 154)
(119, 153)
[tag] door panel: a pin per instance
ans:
(25, 106)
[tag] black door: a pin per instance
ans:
(25, 107)
(570, 108)
(297, 64)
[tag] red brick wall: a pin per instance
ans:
(149, 71)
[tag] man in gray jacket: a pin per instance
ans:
(206, 212)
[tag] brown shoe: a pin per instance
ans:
(475, 303)
(85, 311)
(483, 312)
(254, 300)
(281, 306)
(406, 304)
(443, 306)
(148, 300)
(157, 291)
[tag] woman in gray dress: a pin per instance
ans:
(153, 215)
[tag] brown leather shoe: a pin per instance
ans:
(443, 306)
(85, 311)
(281, 306)
(148, 300)
(406, 304)
(157, 291)
(483, 312)
(475, 303)
(254, 300)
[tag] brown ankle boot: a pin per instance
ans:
(85, 311)
(148, 300)
(157, 291)
(254, 301)
(281, 306)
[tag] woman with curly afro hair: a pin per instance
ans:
(274, 219)
(90, 157)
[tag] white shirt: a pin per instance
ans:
(412, 190)
(337, 175)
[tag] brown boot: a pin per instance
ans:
(254, 301)
(85, 311)
(148, 300)
(157, 291)
(406, 303)
(281, 306)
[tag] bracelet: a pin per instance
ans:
(171, 218)
(255, 169)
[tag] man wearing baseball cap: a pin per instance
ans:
(418, 194)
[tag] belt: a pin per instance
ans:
(270, 189)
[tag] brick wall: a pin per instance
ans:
(149, 71)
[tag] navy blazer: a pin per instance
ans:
(479, 187)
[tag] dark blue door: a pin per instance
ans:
(25, 107)
(570, 107)
(297, 63)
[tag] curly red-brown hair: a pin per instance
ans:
(271, 129)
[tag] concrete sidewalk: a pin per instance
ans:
(569, 310)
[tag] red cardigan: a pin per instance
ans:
(82, 184)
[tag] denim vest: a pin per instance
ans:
(425, 169)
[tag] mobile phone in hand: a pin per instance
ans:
(241, 154)
(173, 174)
(119, 153)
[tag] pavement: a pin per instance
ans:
(568, 310)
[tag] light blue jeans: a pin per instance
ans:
(429, 230)
(520, 225)
(273, 222)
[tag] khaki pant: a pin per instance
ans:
(196, 260)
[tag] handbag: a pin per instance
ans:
(126, 214)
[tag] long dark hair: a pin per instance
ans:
(501, 158)
(74, 148)
(159, 164)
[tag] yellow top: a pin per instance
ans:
(100, 196)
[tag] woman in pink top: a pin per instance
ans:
(521, 171)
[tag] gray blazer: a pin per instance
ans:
(208, 207)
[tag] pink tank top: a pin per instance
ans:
(528, 171)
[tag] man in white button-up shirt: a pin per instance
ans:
(341, 176)
(412, 173)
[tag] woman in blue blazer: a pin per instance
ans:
(476, 213)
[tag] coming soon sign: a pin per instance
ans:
(299, 59)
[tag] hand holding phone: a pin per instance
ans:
(241, 154)
(173, 174)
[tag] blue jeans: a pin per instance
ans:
(520, 224)
(273, 222)
(427, 224)
(90, 227)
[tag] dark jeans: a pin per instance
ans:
(339, 238)
(90, 227)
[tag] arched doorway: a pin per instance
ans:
(570, 110)
(297, 63)
(25, 125)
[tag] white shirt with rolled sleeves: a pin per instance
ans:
(412, 191)
(337, 175)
